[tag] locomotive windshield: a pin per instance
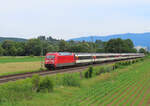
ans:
(50, 57)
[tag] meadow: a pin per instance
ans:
(125, 85)
(14, 59)
(19, 64)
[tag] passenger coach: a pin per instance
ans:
(61, 59)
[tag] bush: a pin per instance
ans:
(46, 85)
(35, 82)
(41, 85)
(104, 70)
(70, 80)
(141, 59)
(88, 73)
(136, 60)
(133, 61)
(116, 65)
(124, 63)
(108, 69)
(129, 62)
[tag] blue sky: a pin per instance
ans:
(65, 19)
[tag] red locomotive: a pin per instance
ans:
(54, 60)
(61, 59)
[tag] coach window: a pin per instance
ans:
(84, 57)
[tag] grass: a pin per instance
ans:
(15, 65)
(15, 68)
(127, 85)
(13, 59)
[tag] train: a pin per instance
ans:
(54, 60)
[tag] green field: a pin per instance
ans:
(19, 64)
(127, 85)
(13, 59)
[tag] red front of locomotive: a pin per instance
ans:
(51, 60)
(62, 59)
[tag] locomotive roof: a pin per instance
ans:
(61, 53)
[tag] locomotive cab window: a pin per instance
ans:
(50, 57)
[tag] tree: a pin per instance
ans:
(1, 51)
(129, 43)
(33, 47)
(84, 47)
(20, 46)
(52, 48)
(119, 46)
(99, 43)
(114, 46)
(63, 46)
(142, 50)
(42, 37)
(9, 48)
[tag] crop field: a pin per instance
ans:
(11, 65)
(130, 87)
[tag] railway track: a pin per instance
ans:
(15, 77)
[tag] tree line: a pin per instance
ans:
(42, 45)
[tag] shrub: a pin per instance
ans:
(35, 82)
(70, 80)
(122, 63)
(104, 70)
(129, 62)
(108, 69)
(126, 63)
(99, 71)
(133, 61)
(41, 85)
(46, 85)
(89, 72)
(141, 59)
(137, 60)
(116, 65)
(86, 74)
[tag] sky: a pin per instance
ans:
(65, 19)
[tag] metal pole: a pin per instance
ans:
(41, 56)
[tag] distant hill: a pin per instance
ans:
(49, 39)
(13, 39)
(139, 39)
